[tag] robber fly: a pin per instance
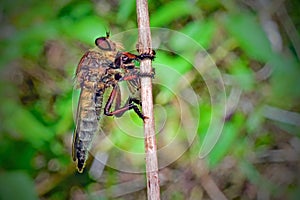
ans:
(100, 68)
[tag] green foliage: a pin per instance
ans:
(243, 76)
(201, 31)
(284, 81)
(171, 11)
(17, 185)
(256, 45)
(35, 133)
(127, 8)
(227, 141)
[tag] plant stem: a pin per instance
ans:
(144, 46)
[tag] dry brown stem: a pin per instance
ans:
(144, 45)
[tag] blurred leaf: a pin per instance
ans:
(32, 40)
(126, 8)
(65, 110)
(86, 29)
(57, 148)
(254, 120)
(43, 13)
(124, 136)
(17, 158)
(184, 46)
(285, 81)
(17, 185)
(243, 76)
(295, 193)
(207, 5)
(226, 141)
(21, 121)
(76, 10)
(205, 117)
(177, 195)
(126, 133)
(255, 177)
(178, 64)
(9, 50)
(27, 42)
(168, 70)
(29, 30)
(249, 34)
(264, 140)
(201, 31)
(170, 12)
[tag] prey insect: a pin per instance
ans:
(100, 68)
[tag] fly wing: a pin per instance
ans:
(86, 127)
(134, 86)
(89, 73)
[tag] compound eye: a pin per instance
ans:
(103, 44)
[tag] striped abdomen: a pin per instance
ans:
(86, 126)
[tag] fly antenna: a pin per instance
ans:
(107, 33)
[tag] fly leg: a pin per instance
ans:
(130, 105)
(128, 57)
(115, 96)
(125, 60)
(135, 74)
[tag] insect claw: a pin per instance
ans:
(148, 55)
(145, 117)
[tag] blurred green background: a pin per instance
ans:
(255, 46)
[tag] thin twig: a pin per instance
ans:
(144, 46)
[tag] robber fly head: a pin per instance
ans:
(105, 44)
